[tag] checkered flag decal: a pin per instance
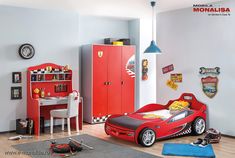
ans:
(42, 71)
(100, 119)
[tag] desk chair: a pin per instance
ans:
(71, 111)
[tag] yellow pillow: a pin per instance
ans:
(178, 105)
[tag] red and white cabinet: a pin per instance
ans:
(108, 81)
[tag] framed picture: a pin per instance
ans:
(16, 77)
(16, 93)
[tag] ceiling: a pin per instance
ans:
(166, 5)
(118, 8)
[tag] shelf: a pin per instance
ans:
(51, 81)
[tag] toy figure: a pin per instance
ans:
(66, 68)
(36, 93)
(144, 69)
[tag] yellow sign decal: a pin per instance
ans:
(172, 84)
(176, 77)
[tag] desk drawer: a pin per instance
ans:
(48, 102)
(65, 101)
(53, 101)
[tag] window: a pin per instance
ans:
(180, 116)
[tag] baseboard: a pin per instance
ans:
(4, 132)
(229, 136)
(13, 131)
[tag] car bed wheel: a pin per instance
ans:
(147, 137)
(198, 126)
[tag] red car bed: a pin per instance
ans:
(154, 121)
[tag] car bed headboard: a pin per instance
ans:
(191, 99)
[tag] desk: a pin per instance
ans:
(43, 106)
(53, 101)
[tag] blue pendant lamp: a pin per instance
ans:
(153, 48)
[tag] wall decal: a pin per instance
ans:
(145, 69)
(168, 68)
(209, 86)
(209, 83)
(16, 77)
(130, 66)
(177, 77)
(172, 84)
(207, 71)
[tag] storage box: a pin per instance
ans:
(126, 41)
(109, 40)
(21, 126)
(118, 43)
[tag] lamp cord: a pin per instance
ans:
(153, 5)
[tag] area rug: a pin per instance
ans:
(102, 149)
(173, 149)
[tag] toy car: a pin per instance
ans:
(154, 122)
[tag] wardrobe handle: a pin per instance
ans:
(105, 83)
(122, 82)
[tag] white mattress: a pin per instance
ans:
(164, 114)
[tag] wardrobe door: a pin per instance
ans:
(114, 79)
(128, 79)
(100, 61)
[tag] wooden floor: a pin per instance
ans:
(225, 149)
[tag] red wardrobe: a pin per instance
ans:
(108, 81)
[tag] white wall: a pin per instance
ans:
(93, 29)
(130, 8)
(134, 35)
(140, 34)
(147, 88)
(192, 40)
(113, 8)
(125, 9)
(56, 36)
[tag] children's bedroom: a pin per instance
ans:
(117, 79)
